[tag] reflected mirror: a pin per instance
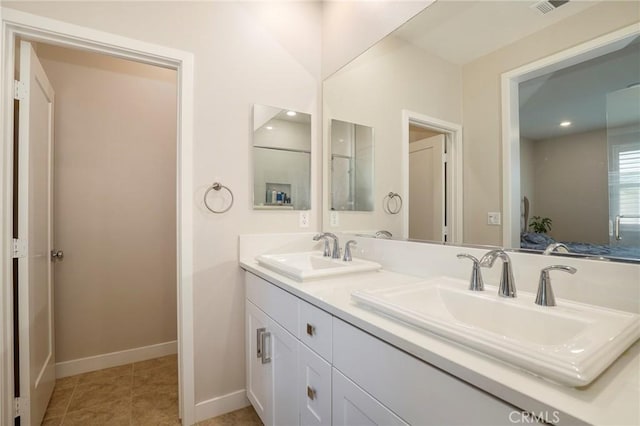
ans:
(281, 159)
(351, 166)
(430, 73)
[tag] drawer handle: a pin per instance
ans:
(311, 330)
(266, 354)
(311, 393)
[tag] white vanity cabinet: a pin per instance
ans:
(307, 367)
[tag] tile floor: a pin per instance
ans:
(139, 394)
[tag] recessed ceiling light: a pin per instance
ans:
(269, 127)
(565, 123)
(291, 113)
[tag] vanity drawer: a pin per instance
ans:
(315, 329)
(275, 302)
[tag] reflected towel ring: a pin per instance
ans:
(217, 186)
(397, 203)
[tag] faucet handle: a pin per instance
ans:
(475, 283)
(347, 250)
(545, 296)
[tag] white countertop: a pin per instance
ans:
(612, 399)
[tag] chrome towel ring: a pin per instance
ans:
(387, 203)
(218, 186)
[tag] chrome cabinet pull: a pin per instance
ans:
(311, 330)
(259, 341)
(266, 352)
(57, 255)
(311, 393)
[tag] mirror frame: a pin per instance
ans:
(511, 121)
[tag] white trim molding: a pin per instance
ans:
(16, 24)
(220, 405)
(114, 359)
(455, 169)
(511, 123)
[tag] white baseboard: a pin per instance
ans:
(220, 405)
(114, 359)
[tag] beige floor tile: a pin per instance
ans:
(53, 421)
(105, 375)
(59, 402)
(162, 380)
(92, 394)
(155, 409)
(110, 413)
(67, 382)
(155, 363)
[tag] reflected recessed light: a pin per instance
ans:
(565, 123)
(291, 113)
(269, 127)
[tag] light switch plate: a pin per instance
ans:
(304, 219)
(493, 218)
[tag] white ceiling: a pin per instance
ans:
(462, 31)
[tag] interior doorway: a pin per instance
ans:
(111, 226)
(432, 179)
(18, 25)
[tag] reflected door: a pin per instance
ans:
(623, 142)
(426, 189)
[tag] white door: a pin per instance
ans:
(314, 389)
(426, 189)
(35, 269)
(258, 372)
(283, 352)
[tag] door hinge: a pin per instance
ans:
(19, 406)
(19, 90)
(18, 248)
(445, 157)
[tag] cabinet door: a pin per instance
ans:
(314, 389)
(352, 406)
(284, 364)
(259, 374)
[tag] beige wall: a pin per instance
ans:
(482, 107)
(572, 186)
(245, 53)
(527, 179)
(114, 206)
(405, 77)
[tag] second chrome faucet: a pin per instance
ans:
(507, 286)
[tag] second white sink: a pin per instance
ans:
(571, 343)
(313, 265)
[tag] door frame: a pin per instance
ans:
(511, 121)
(454, 168)
(40, 29)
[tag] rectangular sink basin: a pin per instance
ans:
(571, 343)
(313, 265)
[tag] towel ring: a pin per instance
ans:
(218, 186)
(397, 203)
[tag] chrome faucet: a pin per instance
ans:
(545, 296)
(555, 247)
(327, 249)
(347, 250)
(507, 281)
(335, 253)
(475, 283)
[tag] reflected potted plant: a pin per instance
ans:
(540, 225)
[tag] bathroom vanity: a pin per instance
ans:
(315, 356)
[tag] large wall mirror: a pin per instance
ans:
(442, 71)
(281, 159)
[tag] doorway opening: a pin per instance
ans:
(432, 179)
(22, 26)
